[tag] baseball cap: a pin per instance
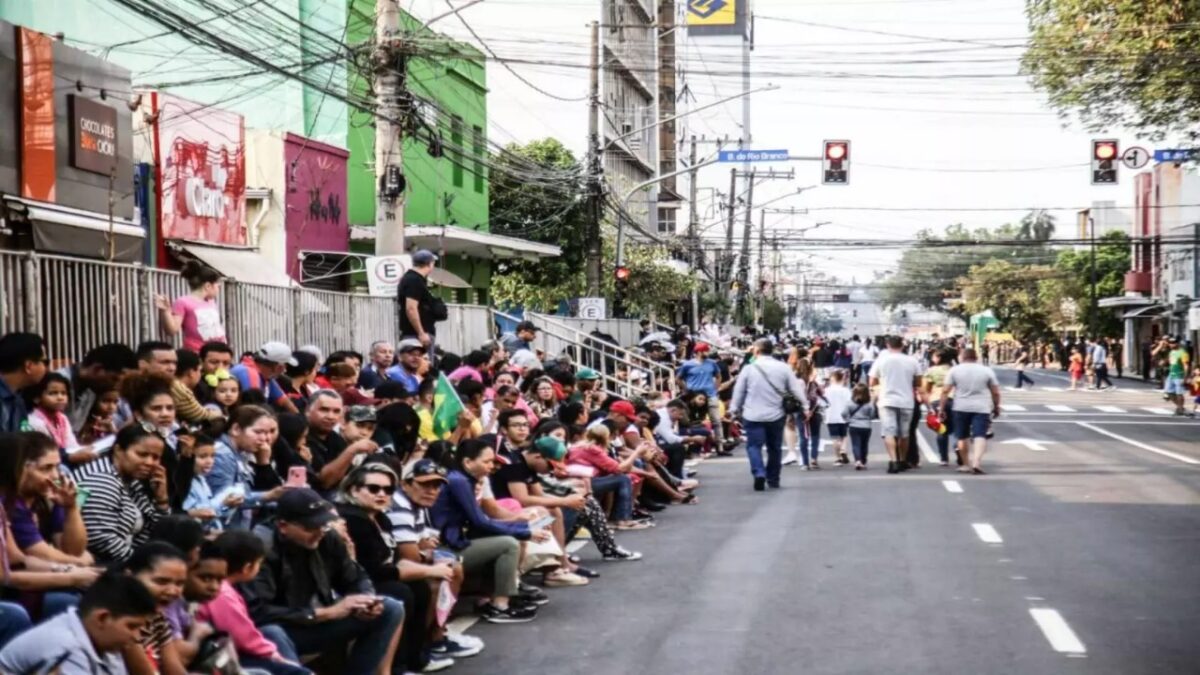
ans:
(550, 447)
(276, 352)
(424, 471)
(424, 257)
(409, 344)
(702, 347)
(587, 374)
(304, 507)
(527, 325)
(360, 413)
(314, 350)
(623, 408)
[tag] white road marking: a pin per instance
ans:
(930, 454)
(1012, 407)
(1029, 443)
(987, 533)
(1050, 389)
(952, 486)
(462, 624)
(575, 545)
(1159, 411)
(1109, 408)
(1138, 444)
(1057, 632)
(1060, 408)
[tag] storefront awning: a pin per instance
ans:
(1147, 312)
(240, 264)
(453, 240)
(341, 264)
(1125, 301)
(60, 229)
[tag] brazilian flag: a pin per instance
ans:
(446, 407)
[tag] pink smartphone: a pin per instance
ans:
(297, 477)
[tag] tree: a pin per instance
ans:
(1012, 293)
(1071, 286)
(1036, 226)
(821, 320)
(774, 317)
(1118, 63)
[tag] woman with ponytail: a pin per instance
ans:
(196, 314)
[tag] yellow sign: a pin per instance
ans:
(711, 12)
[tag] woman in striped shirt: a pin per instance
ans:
(126, 492)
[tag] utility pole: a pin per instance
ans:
(693, 242)
(391, 105)
(594, 249)
(727, 260)
(744, 258)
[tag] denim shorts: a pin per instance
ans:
(894, 422)
(970, 424)
(837, 430)
(1175, 386)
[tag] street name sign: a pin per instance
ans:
(753, 156)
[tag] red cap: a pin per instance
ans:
(702, 347)
(624, 409)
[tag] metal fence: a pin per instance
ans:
(78, 304)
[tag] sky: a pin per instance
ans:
(930, 131)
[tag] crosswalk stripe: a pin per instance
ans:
(1051, 389)
(1159, 411)
(1061, 408)
(1109, 409)
(1012, 407)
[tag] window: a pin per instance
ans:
(666, 221)
(456, 140)
(478, 150)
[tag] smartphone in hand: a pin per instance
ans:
(297, 477)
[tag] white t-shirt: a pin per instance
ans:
(896, 372)
(855, 348)
(838, 397)
(972, 391)
(868, 353)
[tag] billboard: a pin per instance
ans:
(200, 151)
(711, 12)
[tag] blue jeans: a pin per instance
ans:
(621, 487)
(768, 435)
(860, 443)
(970, 424)
(370, 638)
(14, 620)
(809, 434)
(57, 602)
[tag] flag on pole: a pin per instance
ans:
(446, 407)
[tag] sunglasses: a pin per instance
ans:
(377, 489)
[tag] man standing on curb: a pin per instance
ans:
(899, 377)
(758, 397)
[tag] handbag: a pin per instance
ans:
(791, 404)
(934, 422)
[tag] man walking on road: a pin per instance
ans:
(1099, 358)
(1021, 363)
(899, 375)
(758, 396)
(1176, 387)
(976, 402)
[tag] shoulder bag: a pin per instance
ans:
(791, 404)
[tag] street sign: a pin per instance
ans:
(1135, 157)
(1176, 155)
(753, 156)
(591, 308)
(384, 272)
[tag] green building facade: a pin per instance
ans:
(450, 95)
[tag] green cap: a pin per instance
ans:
(550, 447)
(587, 374)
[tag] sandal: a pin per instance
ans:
(978, 472)
(689, 498)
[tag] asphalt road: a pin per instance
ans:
(1094, 571)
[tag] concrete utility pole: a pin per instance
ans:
(726, 274)
(592, 270)
(744, 258)
(693, 243)
(391, 105)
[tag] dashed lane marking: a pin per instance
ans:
(1109, 409)
(1159, 411)
(1138, 444)
(1012, 407)
(987, 534)
(1060, 408)
(952, 486)
(1060, 636)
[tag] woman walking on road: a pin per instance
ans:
(935, 381)
(1075, 369)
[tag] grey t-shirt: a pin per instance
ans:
(972, 387)
(896, 372)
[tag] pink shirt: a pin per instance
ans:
(201, 321)
(228, 612)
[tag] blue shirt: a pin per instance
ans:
(241, 372)
(458, 515)
(700, 376)
(399, 374)
(64, 634)
(12, 409)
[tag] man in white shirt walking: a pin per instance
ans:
(976, 402)
(898, 376)
(758, 398)
(854, 346)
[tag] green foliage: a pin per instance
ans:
(1118, 63)
(1012, 293)
(820, 320)
(774, 316)
(1072, 285)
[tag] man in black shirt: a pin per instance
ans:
(332, 456)
(416, 320)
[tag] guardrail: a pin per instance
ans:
(602, 355)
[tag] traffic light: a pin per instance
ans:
(1105, 155)
(836, 163)
(621, 274)
(621, 281)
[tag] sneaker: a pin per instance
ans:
(622, 555)
(532, 594)
(586, 573)
(632, 525)
(467, 640)
(510, 614)
(456, 648)
(790, 458)
(760, 484)
(437, 663)
(561, 579)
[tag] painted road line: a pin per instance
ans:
(931, 455)
(1060, 408)
(952, 486)
(1058, 633)
(574, 546)
(1138, 444)
(1159, 411)
(987, 534)
(1109, 408)
(1012, 407)
(1050, 389)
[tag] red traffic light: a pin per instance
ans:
(1104, 150)
(621, 274)
(835, 151)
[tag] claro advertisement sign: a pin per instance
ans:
(200, 152)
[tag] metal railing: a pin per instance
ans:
(603, 356)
